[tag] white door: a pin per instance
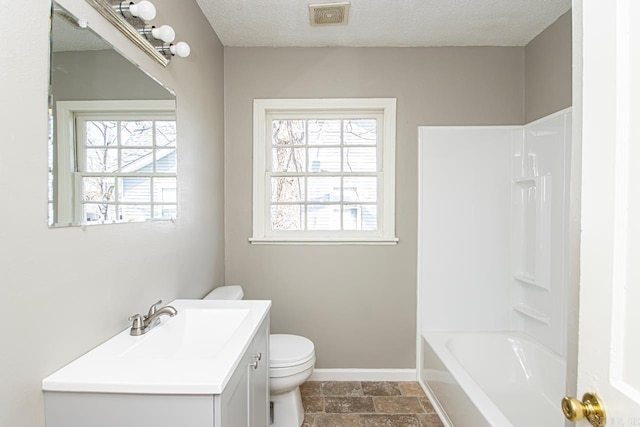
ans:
(609, 340)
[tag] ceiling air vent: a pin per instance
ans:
(329, 14)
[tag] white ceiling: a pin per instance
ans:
(384, 22)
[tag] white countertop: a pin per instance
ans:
(166, 360)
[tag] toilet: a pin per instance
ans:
(291, 361)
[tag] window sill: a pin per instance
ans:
(323, 241)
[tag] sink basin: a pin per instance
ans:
(194, 352)
(194, 333)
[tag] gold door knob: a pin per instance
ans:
(590, 408)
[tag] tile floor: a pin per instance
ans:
(366, 404)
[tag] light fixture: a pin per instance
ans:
(131, 16)
(144, 9)
(165, 33)
(180, 49)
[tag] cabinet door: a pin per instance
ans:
(245, 400)
(259, 378)
(235, 397)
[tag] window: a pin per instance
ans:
(324, 170)
(124, 161)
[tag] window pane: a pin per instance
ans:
(360, 189)
(324, 132)
(288, 132)
(360, 217)
(287, 189)
(101, 160)
(360, 159)
(98, 189)
(137, 160)
(166, 160)
(164, 190)
(166, 133)
(134, 212)
(324, 189)
(360, 131)
(101, 133)
(98, 212)
(137, 133)
(323, 217)
(288, 160)
(324, 159)
(134, 189)
(165, 211)
(287, 217)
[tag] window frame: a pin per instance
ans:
(265, 110)
(68, 175)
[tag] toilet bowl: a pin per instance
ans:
(291, 361)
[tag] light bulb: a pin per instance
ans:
(164, 33)
(144, 10)
(180, 49)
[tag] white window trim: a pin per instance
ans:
(262, 108)
(66, 208)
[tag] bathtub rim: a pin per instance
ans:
(438, 342)
(487, 408)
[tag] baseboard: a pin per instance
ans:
(363, 375)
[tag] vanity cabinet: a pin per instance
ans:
(244, 401)
(259, 399)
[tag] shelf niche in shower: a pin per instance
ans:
(532, 230)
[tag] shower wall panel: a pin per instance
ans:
(465, 192)
(493, 228)
(539, 229)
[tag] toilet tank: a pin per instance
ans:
(226, 292)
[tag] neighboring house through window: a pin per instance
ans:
(116, 161)
(324, 170)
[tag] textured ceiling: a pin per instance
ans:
(384, 22)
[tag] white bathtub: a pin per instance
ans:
(493, 379)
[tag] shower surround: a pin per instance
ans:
(493, 270)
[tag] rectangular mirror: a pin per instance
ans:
(112, 133)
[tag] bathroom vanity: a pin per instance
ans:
(205, 367)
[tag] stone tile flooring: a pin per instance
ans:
(366, 404)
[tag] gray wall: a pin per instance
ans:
(548, 70)
(357, 303)
(66, 290)
(101, 74)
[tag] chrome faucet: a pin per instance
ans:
(143, 324)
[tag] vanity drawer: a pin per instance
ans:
(67, 409)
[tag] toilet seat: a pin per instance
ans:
(289, 355)
(291, 370)
(289, 350)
